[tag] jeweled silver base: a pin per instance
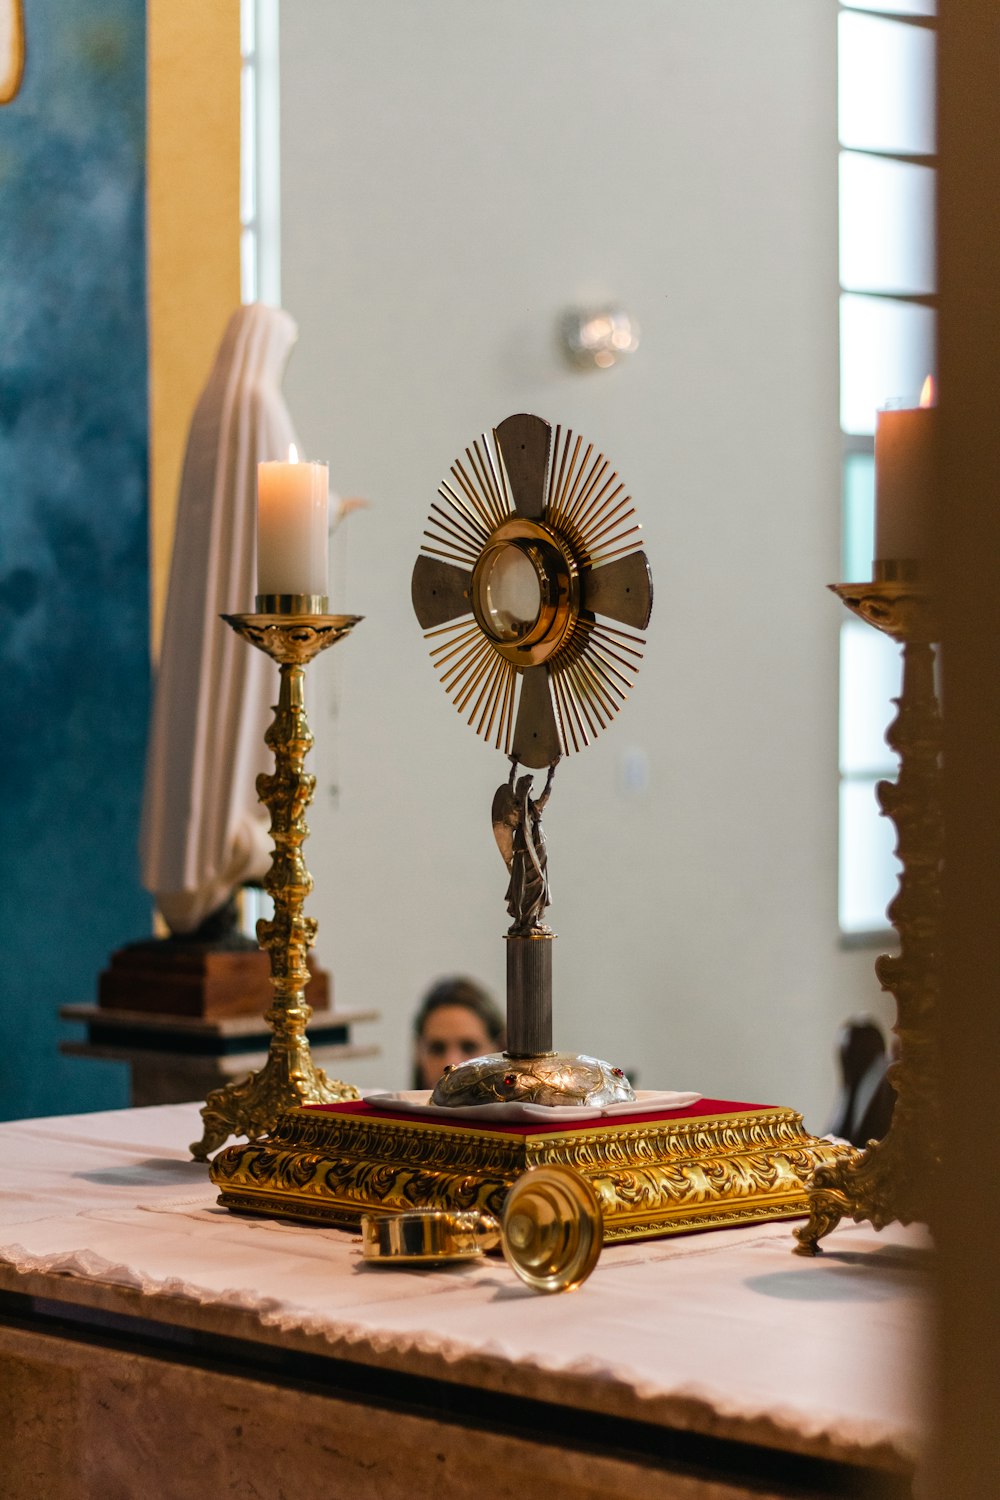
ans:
(555, 1078)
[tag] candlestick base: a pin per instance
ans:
(289, 1078)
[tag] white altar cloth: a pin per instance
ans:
(725, 1330)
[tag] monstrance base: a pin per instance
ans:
(707, 1165)
(555, 1079)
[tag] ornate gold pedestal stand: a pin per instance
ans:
(894, 1179)
(292, 629)
(705, 1167)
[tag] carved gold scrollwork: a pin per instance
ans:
(650, 1179)
(894, 1179)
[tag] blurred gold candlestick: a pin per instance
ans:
(894, 1179)
(292, 631)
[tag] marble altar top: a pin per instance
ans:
(724, 1332)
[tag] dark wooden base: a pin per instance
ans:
(168, 976)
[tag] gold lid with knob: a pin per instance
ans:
(552, 1229)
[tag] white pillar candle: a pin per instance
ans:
(904, 479)
(293, 502)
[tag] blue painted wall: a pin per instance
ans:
(74, 674)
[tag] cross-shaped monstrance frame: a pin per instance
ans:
(536, 540)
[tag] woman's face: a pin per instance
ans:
(451, 1034)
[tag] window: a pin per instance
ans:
(887, 346)
(260, 262)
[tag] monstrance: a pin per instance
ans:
(531, 585)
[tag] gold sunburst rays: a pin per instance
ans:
(535, 538)
(588, 505)
(477, 678)
(477, 501)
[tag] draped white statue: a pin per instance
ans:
(203, 831)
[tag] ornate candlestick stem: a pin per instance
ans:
(289, 1077)
(893, 1179)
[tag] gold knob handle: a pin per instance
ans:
(427, 1235)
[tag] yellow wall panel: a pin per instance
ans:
(193, 148)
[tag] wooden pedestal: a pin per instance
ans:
(170, 977)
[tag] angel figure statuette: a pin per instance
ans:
(517, 828)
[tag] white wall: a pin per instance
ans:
(454, 173)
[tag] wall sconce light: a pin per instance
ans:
(597, 338)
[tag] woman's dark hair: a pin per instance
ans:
(458, 990)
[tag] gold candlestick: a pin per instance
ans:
(292, 630)
(894, 1179)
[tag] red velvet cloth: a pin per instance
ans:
(695, 1111)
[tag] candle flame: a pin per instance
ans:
(927, 392)
(293, 452)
